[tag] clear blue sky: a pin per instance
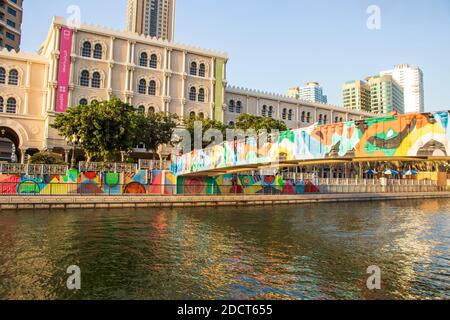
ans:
(274, 45)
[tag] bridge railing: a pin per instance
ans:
(32, 169)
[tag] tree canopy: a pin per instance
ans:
(102, 129)
(155, 129)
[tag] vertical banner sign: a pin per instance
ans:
(65, 48)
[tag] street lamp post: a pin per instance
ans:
(74, 141)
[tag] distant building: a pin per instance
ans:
(410, 78)
(312, 92)
(10, 24)
(386, 95)
(356, 96)
(155, 18)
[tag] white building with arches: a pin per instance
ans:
(78, 66)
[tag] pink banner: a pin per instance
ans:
(65, 48)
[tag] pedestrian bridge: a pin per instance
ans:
(410, 137)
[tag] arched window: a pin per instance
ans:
(13, 78)
(94, 101)
(201, 95)
(270, 112)
(153, 61)
(141, 109)
(201, 115)
(320, 119)
(86, 50)
(192, 115)
(290, 115)
(151, 110)
(303, 116)
(193, 94)
(152, 88)
(231, 106)
(83, 102)
(142, 86)
(1, 104)
(231, 124)
(11, 105)
(284, 114)
(143, 60)
(193, 69)
(202, 70)
(336, 120)
(98, 51)
(96, 80)
(264, 111)
(238, 107)
(2, 76)
(341, 120)
(325, 119)
(308, 117)
(84, 78)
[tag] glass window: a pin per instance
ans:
(152, 88)
(84, 78)
(13, 77)
(193, 70)
(193, 94)
(238, 107)
(231, 106)
(11, 105)
(2, 75)
(86, 50)
(201, 95)
(98, 51)
(96, 80)
(142, 86)
(143, 60)
(153, 61)
(202, 70)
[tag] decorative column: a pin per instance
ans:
(183, 84)
(23, 154)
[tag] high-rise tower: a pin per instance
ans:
(155, 18)
(10, 24)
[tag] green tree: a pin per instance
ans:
(46, 158)
(154, 130)
(248, 121)
(102, 129)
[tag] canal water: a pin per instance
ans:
(317, 251)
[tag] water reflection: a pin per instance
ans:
(303, 252)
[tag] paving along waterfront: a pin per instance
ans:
(315, 251)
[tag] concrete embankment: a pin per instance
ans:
(92, 202)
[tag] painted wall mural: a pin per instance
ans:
(408, 135)
(150, 183)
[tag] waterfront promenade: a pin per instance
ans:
(154, 201)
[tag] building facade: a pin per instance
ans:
(386, 95)
(78, 66)
(294, 112)
(410, 79)
(11, 13)
(313, 92)
(356, 96)
(154, 18)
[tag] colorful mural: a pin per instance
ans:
(151, 183)
(410, 135)
(243, 184)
